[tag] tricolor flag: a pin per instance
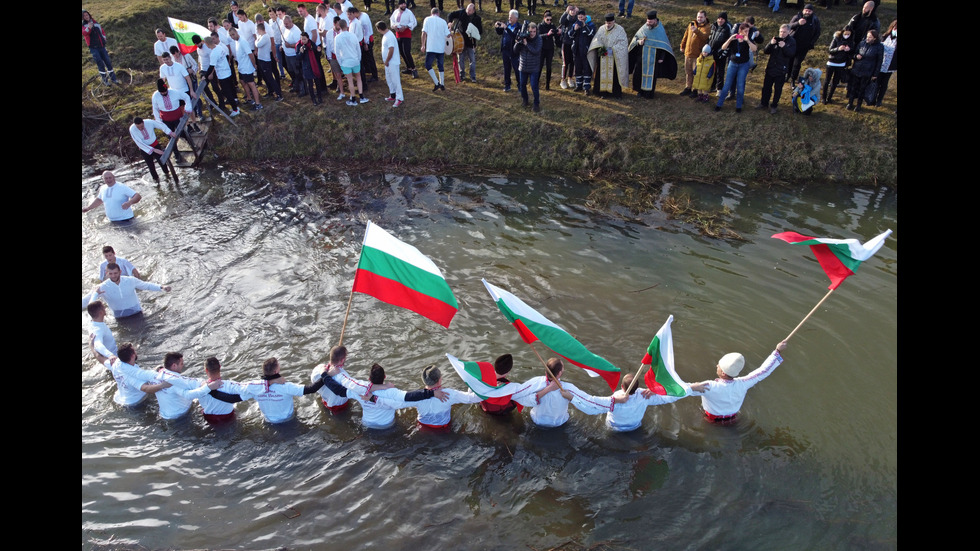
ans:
(397, 273)
(532, 326)
(481, 377)
(839, 258)
(183, 31)
(662, 378)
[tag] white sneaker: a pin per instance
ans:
(352, 102)
(364, 100)
(397, 103)
(234, 113)
(341, 97)
(564, 85)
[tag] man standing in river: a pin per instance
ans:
(723, 396)
(117, 198)
(119, 292)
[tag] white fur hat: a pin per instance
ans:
(732, 363)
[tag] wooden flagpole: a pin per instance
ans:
(546, 368)
(808, 315)
(344, 327)
(635, 379)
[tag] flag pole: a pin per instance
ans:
(635, 379)
(546, 368)
(808, 315)
(347, 313)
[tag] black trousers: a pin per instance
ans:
(772, 86)
(405, 49)
(149, 158)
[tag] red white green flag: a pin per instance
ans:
(183, 31)
(839, 258)
(662, 378)
(532, 326)
(481, 377)
(397, 273)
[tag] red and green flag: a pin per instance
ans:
(662, 377)
(397, 273)
(532, 326)
(183, 31)
(839, 258)
(481, 377)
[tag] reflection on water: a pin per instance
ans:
(261, 265)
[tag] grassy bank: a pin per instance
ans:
(478, 127)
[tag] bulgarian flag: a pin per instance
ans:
(532, 326)
(662, 378)
(397, 273)
(183, 31)
(481, 377)
(840, 258)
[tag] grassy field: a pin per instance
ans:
(472, 128)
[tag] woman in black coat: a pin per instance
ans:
(867, 63)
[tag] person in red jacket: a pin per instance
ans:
(94, 36)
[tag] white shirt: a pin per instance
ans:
(723, 397)
(177, 399)
(113, 197)
(144, 140)
(129, 378)
(245, 66)
(367, 31)
(105, 343)
(388, 40)
(404, 18)
(436, 31)
(246, 32)
(373, 415)
(274, 29)
(174, 75)
(213, 406)
(263, 48)
(160, 47)
(346, 48)
(187, 60)
(219, 60)
(291, 36)
(121, 297)
(329, 398)
(623, 417)
(204, 56)
(125, 267)
(309, 27)
(354, 27)
(275, 400)
(226, 40)
(170, 102)
(552, 411)
(433, 411)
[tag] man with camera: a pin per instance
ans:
(508, 36)
(781, 50)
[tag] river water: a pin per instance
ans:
(261, 265)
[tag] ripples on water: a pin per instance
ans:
(262, 264)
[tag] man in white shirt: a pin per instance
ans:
(162, 45)
(723, 396)
(101, 341)
(176, 399)
(132, 383)
(434, 413)
(204, 67)
(389, 57)
(217, 411)
(188, 62)
(126, 267)
(402, 22)
(348, 53)
(246, 69)
(179, 79)
(273, 27)
(117, 198)
(144, 135)
(368, 63)
(375, 415)
(435, 30)
(548, 408)
(290, 38)
(221, 66)
(263, 52)
(273, 394)
(119, 292)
